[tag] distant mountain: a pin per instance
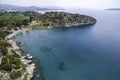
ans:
(30, 8)
(113, 9)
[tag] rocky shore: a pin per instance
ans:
(26, 60)
(30, 67)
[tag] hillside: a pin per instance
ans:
(46, 20)
(29, 8)
(62, 19)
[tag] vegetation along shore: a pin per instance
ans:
(15, 66)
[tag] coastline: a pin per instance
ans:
(26, 60)
(30, 67)
(14, 33)
(47, 20)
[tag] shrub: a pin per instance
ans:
(9, 62)
(15, 74)
(7, 67)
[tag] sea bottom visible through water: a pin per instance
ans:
(78, 53)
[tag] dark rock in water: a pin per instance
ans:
(45, 49)
(62, 66)
(18, 43)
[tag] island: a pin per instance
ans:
(113, 9)
(15, 66)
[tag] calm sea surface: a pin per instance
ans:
(80, 53)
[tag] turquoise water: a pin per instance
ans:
(79, 53)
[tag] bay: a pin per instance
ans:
(77, 53)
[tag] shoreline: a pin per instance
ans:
(26, 60)
(14, 33)
(30, 68)
(35, 25)
(47, 20)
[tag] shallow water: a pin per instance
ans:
(85, 53)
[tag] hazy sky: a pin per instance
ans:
(94, 4)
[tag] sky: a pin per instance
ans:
(92, 4)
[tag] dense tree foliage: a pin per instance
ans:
(13, 19)
(3, 34)
(10, 62)
(17, 19)
(15, 74)
(65, 19)
(3, 46)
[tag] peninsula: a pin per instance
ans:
(15, 66)
(46, 20)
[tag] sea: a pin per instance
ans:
(89, 52)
